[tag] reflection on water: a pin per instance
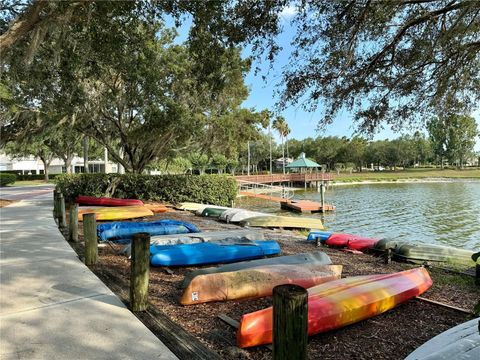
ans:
(443, 213)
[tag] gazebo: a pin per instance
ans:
(303, 163)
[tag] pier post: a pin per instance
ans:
(290, 322)
(73, 223)
(62, 218)
(322, 196)
(140, 272)
(90, 237)
(387, 256)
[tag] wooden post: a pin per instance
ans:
(62, 218)
(55, 203)
(90, 236)
(322, 196)
(290, 322)
(387, 256)
(140, 271)
(73, 223)
(318, 243)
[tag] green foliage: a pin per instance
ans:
(209, 189)
(6, 179)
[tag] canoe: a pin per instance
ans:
(384, 244)
(459, 342)
(341, 302)
(255, 282)
(104, 201)
(209, 253)
(125, 230)
(116, 213)
(322, 235)
(313, 258)
(292, 222)
(212, 212)
(349, 241)
(420, 253)
(237, 215)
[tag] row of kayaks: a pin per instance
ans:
(401, 250)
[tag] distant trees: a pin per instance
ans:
(281, 125)
(453, 137)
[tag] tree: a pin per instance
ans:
(281, 126)
(354, 151)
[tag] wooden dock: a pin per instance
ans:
(303, 206)
(281, 178)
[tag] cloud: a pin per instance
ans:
(288, 12)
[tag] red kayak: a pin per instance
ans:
(92, 200)
(349, 241)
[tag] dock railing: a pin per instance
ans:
(260, 188)
(278, 178)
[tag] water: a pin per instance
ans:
(446, 213)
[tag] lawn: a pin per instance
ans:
(30, 182)
(473, 173)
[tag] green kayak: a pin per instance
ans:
(213, 212)
(420, 253)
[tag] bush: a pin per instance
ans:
(210, 189)
(6, 179)
(21, 176)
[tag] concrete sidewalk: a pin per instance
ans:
(51, 305)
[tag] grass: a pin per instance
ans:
(473, 173)
(30, 182)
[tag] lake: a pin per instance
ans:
(446, 213)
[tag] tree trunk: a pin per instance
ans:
(68, 163)
(283, 155)
(85, 155)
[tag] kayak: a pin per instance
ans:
(341, 302)
(459, 342)
(212, 212)
(255, 282)
(420, 253)
(126, 229)
(353, 242)
(210, 253)
(237, 215)
(190, 206)
(322, 235)
(292, 222)
(156, 208)
(313, 258)
(104, 201)
(116, 213)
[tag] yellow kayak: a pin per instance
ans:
(116, 213)
(294, 222)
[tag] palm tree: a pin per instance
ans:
(281, 126)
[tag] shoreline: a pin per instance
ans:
(406, 181)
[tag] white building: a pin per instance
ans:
(34, 166)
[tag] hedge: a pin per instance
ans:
(21, 176)
(208, 189)
(6, 179)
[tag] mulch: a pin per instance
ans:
(4, 202)
(392, 335)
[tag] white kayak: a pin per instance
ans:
(460, 343)
(237, 215)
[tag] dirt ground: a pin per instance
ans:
(4, 203)
(392, 335)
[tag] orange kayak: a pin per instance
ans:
(156, 208)
(341, 302)
(116, 213)
(255, 282)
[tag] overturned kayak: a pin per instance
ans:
(190, 206)
(209, 253)
(125, 230)
(255, 282)
(459, 342)
(237, 215)
(353, 242)
(321, 235)
(212, 212)
(156, 208)
(198, 237)
(104, 201)
(420, 253)
(287, 222)
(341, 302)
(116, 213)
(213, 209)
(313, 258)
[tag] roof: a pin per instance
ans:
(303, 162)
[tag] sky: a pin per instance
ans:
(262, 93)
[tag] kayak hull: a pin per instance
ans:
(212, 212)
(341, 302)
(103, 201)
(353, 242)
(313, 258)
(209, 253)
(255, 282)
(116, 213)
(420, 253)
(322, 235)
(288, 222)
(237, 215)
(125, 230)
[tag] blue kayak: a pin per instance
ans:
(124, 230)
(210, 253)
(322, 235)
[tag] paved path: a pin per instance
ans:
(51, 305)
(25, 192)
